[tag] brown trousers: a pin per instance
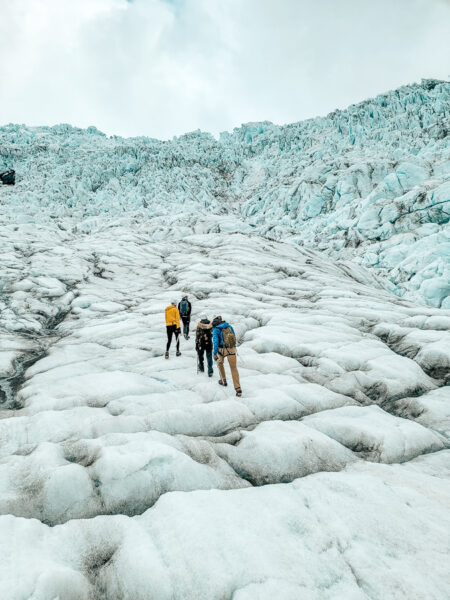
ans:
(229, 353)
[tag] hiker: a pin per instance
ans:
(8, 177)
(185, 313)
(224, 340)
(203, 343)
(173, 326)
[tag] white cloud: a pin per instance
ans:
(163, 67)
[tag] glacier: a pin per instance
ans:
(368, 184)
(326, 244)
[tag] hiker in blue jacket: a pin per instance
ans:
(224, 345)
(184, 308)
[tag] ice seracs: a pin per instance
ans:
(368, 184)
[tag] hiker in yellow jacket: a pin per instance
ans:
(173, 327)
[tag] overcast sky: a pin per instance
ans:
(164, 67)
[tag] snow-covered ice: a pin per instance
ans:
(125, 475)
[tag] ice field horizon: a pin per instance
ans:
(326, 244)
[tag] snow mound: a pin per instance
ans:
(279, 452)
(375, 435)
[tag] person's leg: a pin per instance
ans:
(177, 337)
(209, 359)
(169, 329)
(201, 362)
(188, 321)
(221, 367)
(233, 367)
(184, 326)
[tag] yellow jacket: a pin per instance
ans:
(172, 316)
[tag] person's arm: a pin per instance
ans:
(190, 308)
(215, 340)
(198, 332)
(177, 317)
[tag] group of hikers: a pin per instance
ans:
(215, 339)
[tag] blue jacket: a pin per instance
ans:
(218, 336)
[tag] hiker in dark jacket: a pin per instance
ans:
(224, 345)
(184, 308)
(203, 343)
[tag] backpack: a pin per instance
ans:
(203, 339)
(184, 307)
(229, 339)
(206, 339)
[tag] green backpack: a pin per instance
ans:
(229, 339)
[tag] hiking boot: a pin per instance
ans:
(239, 392)
(223, 382)
(201, 370)
(166, 355)
(210, 374)
(178, 353)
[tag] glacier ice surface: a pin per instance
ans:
(125, 475)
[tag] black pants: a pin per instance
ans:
(201, 359)
(172, 329)
(186, 321)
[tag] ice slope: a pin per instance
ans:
(124, 475)
(369, 184)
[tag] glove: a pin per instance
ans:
(178, 330)
(216, 357)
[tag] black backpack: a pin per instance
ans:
(206, 338)
(203, 339)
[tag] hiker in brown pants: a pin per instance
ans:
(224, 341)
(229, 353)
